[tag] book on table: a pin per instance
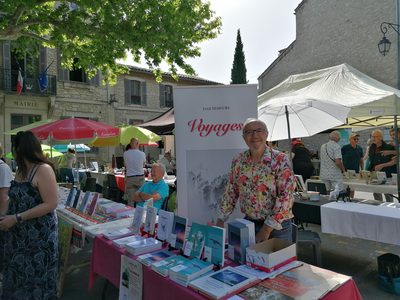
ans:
(259, 291)
(306, 282)
(143, 246)
(150, 222)
(92, 203)
(118, 232)
(190, 270)
(137, 219)
(223, 283)
(150, 258)
(165, 223)
(194, 244)
(214, 247)
(122, 242)
(122, 212)
(238, 240)
(163, 267)
(71, 196)
(178, 234)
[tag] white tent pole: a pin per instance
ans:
(288, 129)
(396, 143)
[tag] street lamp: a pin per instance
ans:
(384, 44)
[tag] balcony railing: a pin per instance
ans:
(9, 78)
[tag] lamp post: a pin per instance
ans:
(384, 47)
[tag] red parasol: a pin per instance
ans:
(74, 129)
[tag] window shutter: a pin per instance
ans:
(127, 84)
(63, 74)
(144, 93)
(7, 65)
(162, 95)
(42, 58)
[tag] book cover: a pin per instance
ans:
(150, 222)
(143, 246)
(76, 199)
(223, 283)
(163, 267)
(93, 203)
(165, 223)
(150, 258)
(118, 232)
(84, 200)
(122, 212)
(252, 231)
(71, 196)
(122, 242)
(137, 219)
(306, 282)
(238, 240)
(214, 248)
(259, 291)
(189, 270)
(194, 244)
(177, 237)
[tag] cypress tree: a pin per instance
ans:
(238, 72)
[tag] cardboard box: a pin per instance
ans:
(270, 255)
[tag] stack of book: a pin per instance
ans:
(150, 258)
(118, 232)
(163, 267)
(143, 246)
(189, 270)
(121, 243)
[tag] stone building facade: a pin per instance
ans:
(330, 33)
(135, 98)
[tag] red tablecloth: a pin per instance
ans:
(120, 182)
(106, 262)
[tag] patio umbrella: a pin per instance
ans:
(80, 148)
(288, 118)
(145, 137)
(73, 130)
(46, 150)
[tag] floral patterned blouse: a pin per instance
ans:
(265, 190)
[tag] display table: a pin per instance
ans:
(370, 222)
(362, 186)
(307, 211)
(106, 262)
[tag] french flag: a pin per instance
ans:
(20, 83)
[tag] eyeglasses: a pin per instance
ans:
(255, 131)
(356, 139)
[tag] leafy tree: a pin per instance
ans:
(98, 32)
(238, 71)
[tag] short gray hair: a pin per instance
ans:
(334, 134)
(160, 165)
(254, 120)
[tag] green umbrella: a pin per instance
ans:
(28, 127)
(46, 150)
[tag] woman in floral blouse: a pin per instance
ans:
(262, 180)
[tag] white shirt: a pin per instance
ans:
(5, 175)
(329, 153)
(134, 161)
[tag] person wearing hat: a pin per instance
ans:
(262, 182)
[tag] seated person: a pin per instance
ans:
(156, 189)
(169, 164)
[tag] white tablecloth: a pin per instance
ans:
(376, 223)
(362, 186)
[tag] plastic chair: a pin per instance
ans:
(307, 238)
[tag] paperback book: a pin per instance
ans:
(93, 203)
(84, 201)
(190, 270)
(222, 283)
(150, 258)
(163, 267)
(177, 237)
(71, 196)
(150, 222)
(118, 232)
(143, 246)
(137, 219)
(194, 244)
(238, 240)
(122, 212)
(214, 248)
(165, 223)
(76, 199)
(122, 242)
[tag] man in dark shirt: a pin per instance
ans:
(352, 154)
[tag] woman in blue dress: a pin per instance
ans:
(30, 225)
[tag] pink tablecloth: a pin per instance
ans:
(120, 182)
(106, 262)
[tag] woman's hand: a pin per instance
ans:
(7, 222)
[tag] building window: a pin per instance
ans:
(166, 96)
(77, 74)
(135, 92)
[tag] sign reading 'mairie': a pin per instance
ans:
(208, 134)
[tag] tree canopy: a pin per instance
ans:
(238, 71)
(98, 32)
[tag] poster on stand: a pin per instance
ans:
(131, 279)
(208, 134)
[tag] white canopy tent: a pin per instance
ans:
(368, 98)
(372, 102)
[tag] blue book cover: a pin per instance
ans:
(194, 244)
(150, 258)
(163, 267)
(177, 237)
(238, 240)
(190, 270)
(71, 196)
(214, 248)
(78, 193)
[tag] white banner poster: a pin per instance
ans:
(131, 279)
(208, 133)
